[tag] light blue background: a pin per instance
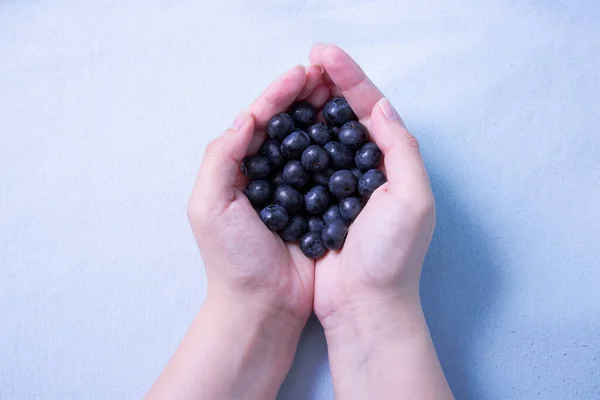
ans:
(106, 107)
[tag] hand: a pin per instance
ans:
(386, 244)
(243, 259)
(260, 290)
(367, 294)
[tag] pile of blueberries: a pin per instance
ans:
(310, 180)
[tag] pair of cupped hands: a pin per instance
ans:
(252, 268)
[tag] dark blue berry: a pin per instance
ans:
(316, 200)
(289, 198)
(270, 149)
(258, 192)
(342, 183)
(256, 167)
(334, 132)
(319, 133)
(304, 113)
(315, 224)
(357, 172)
(277, 178)
(337, 111)
(370, 181)
(280, 126)
(315, 158)
(368, 156)
(312, 245)
(274, 217)
(332, 214)
(353, 135)
(334, 235)
(350, 208)
(294, 229)
(322, 177)
(294, 144)
(294, 174)
(339, 156)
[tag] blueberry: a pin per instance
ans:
(256, 167)
(337, 111)
(335, 131)
(350, 208)
(294, 144)
(294, 174)
(319, 133)
(368, 156)
(294, 229)
(342, 183)
(332, 214)
(334, 235)
(280, 126)
(315, 224)
(322, 177)
(304, 113)
(353, 135)
(316, 200)
(357, 172)
(289, 198)
(312, 246)
(270, 149)
(274, 216)
(276, 178)
(339, 156)
(258, 192)
(314, 158)
(370, 181)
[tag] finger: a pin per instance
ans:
(348, 77)
(220, 167)
(319, 96)
(278, 96)
(402, 158)
(316, 49)
(313, 78)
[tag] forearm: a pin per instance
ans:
(384, 351)
(232, 351)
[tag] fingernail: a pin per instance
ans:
(388, 110)
(240, 120)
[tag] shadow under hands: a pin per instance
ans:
(459, 286)
(309, 374)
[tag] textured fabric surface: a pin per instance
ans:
(106, 107)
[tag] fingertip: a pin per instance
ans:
(242, 119)
(238, 138)
(278, 95)
(315, 53)
(379, 128)
(313, 78)
(389, 111)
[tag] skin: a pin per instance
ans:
(260, 294)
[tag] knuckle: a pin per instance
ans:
(422, 208)
(213, 147)
(197, 215)
(412, 141)
(193, 211)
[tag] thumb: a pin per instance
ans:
(402, 158)
(220, 169)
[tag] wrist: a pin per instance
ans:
(369, 321)
(264, 309)
(367, 338)
(244, 348)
